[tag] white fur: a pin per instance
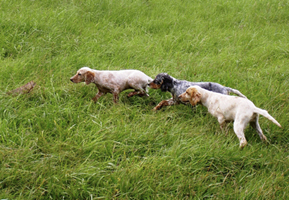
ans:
(229, 108)
(114, 81)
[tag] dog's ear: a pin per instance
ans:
(89, 77)
(164, 87)
(167, 83)
(198, 96)
(195, 96)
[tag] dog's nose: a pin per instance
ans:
(71, 80)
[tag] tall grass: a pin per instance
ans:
(55, 143)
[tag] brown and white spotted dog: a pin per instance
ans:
(114, 81)
(176, 87)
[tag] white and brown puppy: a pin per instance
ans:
(114, 81)
(229, 108)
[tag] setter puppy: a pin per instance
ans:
(229, 108)
(176, 87)
(113, 81)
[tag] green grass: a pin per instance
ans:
(55, 143)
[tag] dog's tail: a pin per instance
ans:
(237, 92)
(267, 115)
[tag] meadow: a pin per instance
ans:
(55, 143)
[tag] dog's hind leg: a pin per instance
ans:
(140, 90)
(255, 124)
(139, 93)
(239, 131)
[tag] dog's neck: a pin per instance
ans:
(171, 89)
(96, 73)
(204, 97)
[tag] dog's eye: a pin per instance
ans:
(79, 74)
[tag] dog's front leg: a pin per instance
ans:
(223, 124)
(168, 102)
(115, 97)
(99, 94)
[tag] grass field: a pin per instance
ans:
(55, 143)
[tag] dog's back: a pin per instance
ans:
(180, 87)
(176, 87)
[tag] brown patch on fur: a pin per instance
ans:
(195, 96)
(161, 104)
(182, 97)
(23, 89)
(139, 93)
(89, 77)
(115, 97)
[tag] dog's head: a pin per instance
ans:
(84, 74)
(162, 81)
(191, 95)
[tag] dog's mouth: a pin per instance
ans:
(154, 85)
(74, 80)
(183, 99)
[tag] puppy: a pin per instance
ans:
(229, 108)
(113, 81)
(176, 87)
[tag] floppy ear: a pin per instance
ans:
(167, 83)
(195, 96)
(164, 87)
(89, 77)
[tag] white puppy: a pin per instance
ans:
(114, 81)
(229, 108)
